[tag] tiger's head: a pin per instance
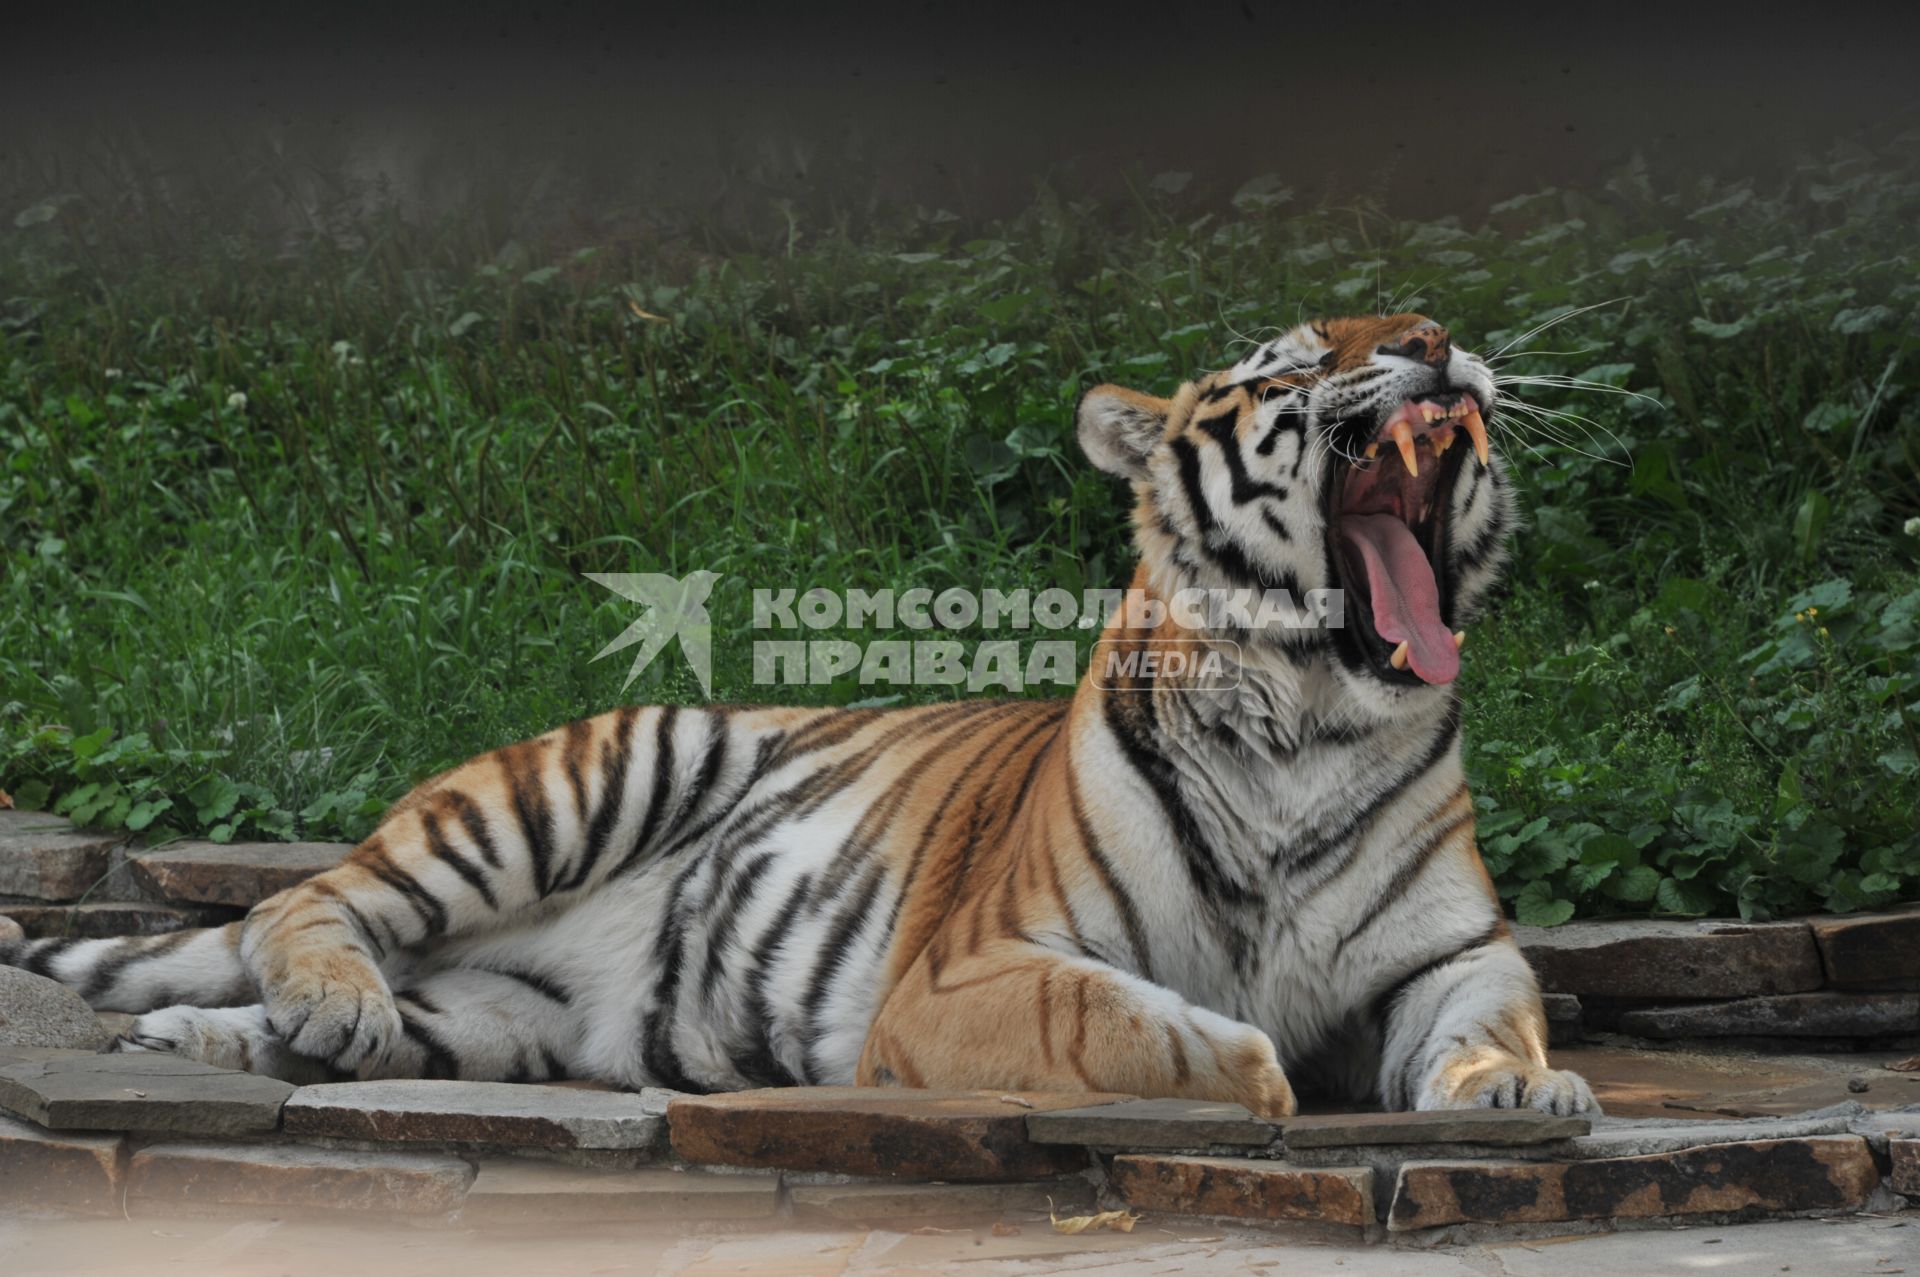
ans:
(1348, 454)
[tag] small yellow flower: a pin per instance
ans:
(1823, 631)
(1813, 611)
(1668, 629)
(1800, 617)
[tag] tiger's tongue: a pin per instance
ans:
(1405, 598)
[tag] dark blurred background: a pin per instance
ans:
(590, 114)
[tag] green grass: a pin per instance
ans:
(269, 618)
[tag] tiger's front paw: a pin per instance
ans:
(1501, 1081)
(334, 1007)
(1251, 1072)
(1267, 1093)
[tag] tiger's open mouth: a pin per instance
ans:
(1387, 516)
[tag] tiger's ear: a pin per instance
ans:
(1118, 428)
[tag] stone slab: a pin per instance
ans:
(1245, 1188)
(871, 1203)
(45, 857)
(894, 1132)
(97, 920)
(1563, 1018)
(1865, 950)
(1905, 1159)
(501, 1113)
(1504, 1127)
(1153, 1124)
(10, 932)
(142, 1091)
(37, 1054)
(1817, 1015)
(1636, 1138)
(241, 874)
(533, 1192)
(1656, 959)
(36, 1011)
(171, 1178)
(1698, 1084)
(56, 1172)
(1824, 1173)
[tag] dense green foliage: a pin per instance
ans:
(285, 531)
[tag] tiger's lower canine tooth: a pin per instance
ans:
(1399, 658)
(1477, 431)
(1403, 439)
(1459, 638)
(1373, 450)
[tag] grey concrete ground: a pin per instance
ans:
(1810, 1248)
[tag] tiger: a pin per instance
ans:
(1216, 887)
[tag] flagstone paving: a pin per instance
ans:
(1634, 1082)
(535, 1192)
(1834, 1172)
(99, 919)
(1825, 1014)
(141, 1091)
(951, 1135)
(48, 859)
(1661, 959)
(906, 1204)
(240, 873)
(1498, 1127)
(324, 1247)
(167, 1179)
(1169, 1124)
(503, 1113)
(1246, 1188)
(1870, 950)
(42, 1170)
(1692, 1133)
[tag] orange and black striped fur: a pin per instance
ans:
(1162, 886)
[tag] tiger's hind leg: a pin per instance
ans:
(475, 1025)
(226, 1037)
(1017, 1016)
(483, 1026)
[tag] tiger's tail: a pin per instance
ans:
(200, 967)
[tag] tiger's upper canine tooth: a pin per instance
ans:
(1399, 658)
(1403, 439)
(1477, 431)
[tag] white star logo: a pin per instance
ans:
(677, 608)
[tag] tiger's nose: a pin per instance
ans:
(1426, 341)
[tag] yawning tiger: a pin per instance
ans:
(1167, 885)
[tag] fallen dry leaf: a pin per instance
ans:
(1006, 1230)
(1909, 1065)
(1120, 1221)
(6, 800)
(1014, 1099)
(646, 314)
